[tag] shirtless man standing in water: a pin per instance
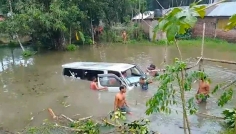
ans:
(204, 89)
(120, 101)
(124, 36)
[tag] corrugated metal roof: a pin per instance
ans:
(145, 15)
(224, 9)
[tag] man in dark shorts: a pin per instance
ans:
(120, 101)
(144, 83)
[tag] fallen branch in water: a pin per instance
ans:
(106, 122)
(85, 118)
(68, 128)
(227, 85)
(187, 68)
(200, 58)
(209, 116)
(216, 60)
(67, 118)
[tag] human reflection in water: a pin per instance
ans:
(202, 109)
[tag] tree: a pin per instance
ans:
(177, 21)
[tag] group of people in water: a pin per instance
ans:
(120, 99)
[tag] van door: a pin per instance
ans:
(111, 81)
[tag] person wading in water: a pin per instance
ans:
(144, 83)
(124, 36)
(152, 70)
(203, 91)
(120, 101)
(94, 85)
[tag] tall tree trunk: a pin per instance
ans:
(92, 32)
(18, 39)
(12, 55)
(70, 36)
(11, 11)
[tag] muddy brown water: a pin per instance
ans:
(28, 86)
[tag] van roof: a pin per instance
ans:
(99, 66)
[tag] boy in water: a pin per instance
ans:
(94, 85)
(203, 90)
(144, 83)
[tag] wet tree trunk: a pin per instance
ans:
(11, 11)
(18, 39)
(12, 55)
(70, 36)
(2, 64)
(59, 41)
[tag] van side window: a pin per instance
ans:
(78, 73)
(109, 81)
(82, 74)
(115, 73)
(89, 74)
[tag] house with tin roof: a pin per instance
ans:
(216, 19)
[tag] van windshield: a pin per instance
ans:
(132, 75)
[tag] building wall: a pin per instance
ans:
(146, 25)
(214, 28)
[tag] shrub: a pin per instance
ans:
(71, 47)
(186, 36)
(27, 53)
(88, 40)
(161, 42)
(13, 44)
(229, 116)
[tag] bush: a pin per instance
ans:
(88, 40)
(229, 116)
(186, 36)
(114, 33)
(161, 42)
(13, 44)
(71, 47)
(27, 53)
(227, 131)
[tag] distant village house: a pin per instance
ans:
(216, 19)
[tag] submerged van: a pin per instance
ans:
(110, 75)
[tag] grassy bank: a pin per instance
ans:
(209, 42)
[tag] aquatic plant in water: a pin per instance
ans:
(71, 47)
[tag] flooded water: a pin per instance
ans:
(28, 86)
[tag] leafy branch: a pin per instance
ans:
(137, 126)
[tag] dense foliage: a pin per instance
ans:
(55, 22)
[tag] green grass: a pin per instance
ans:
(227, 131)
(209, 42)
